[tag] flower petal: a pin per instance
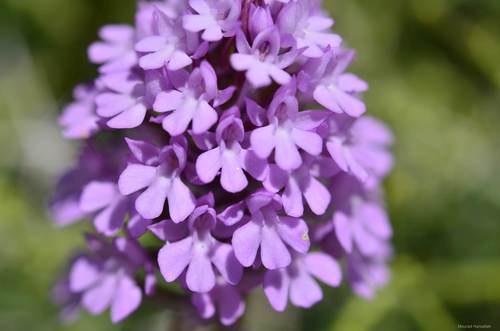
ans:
(273, 251)
(323, 267)
(180, 201)
(174, 257)
(246, 241)
(126, 300)
(276, 286)
(136, 177)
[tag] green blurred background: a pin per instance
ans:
(434, 71)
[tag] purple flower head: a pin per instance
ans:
(216, 18)
(229, 157)
(79, 119)
(158, 171)
(275, 235)
(288, 130)
(105, 278)
(264, 62)
(116, 50)
(297, 281)
(122, 101)
(167, 46)
(229, 161)
(198, 252)
(191, 102)
(310, 29)
(331, 86)
(360, 147)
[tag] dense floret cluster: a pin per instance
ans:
(231, 131)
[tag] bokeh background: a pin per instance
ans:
(434, 71)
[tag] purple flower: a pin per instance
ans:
(198, 253)
(191, 102)
(264, 61)
(116, 50)
(123, 101)
(368, 274)
(229, 157)
(360, 147)
(216, 18)
(275, 235)
(167, 47)
(287, 130)
(158, 172)
(224, 298)
(106, 278)
(310, 29)
(92, 165)
(105, 199)
(302, 182)
(331, 86)
(79, 119)
(360, 221)
(297, 280)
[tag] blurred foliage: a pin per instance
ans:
(433, 67)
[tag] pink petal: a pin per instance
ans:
(205, 117)
(178, 122)
(262, 140)
(292, 199)
(323, 267)
(336, 150)
(304, 291)
(273, 251)
(227, 264)
(174, 257)
(126, 300)
(151, 202)
(280, 76)
(97, 195)
(83, 274)
(257, 75)
(242, 62)
(130, 118)
(179, 60)
(246, 241)
(276, 286)
(208, 165)
(151, 44)
(98, 298)
(180, 201)
(200, 276)
(343, 231)
(317, 196)
(232, 177)
(167, 101)
(286, 154)
(136, 177)
(311, 142)
(294, 232)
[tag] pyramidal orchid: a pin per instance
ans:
(225, 148)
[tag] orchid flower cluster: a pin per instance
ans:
(232, 132)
